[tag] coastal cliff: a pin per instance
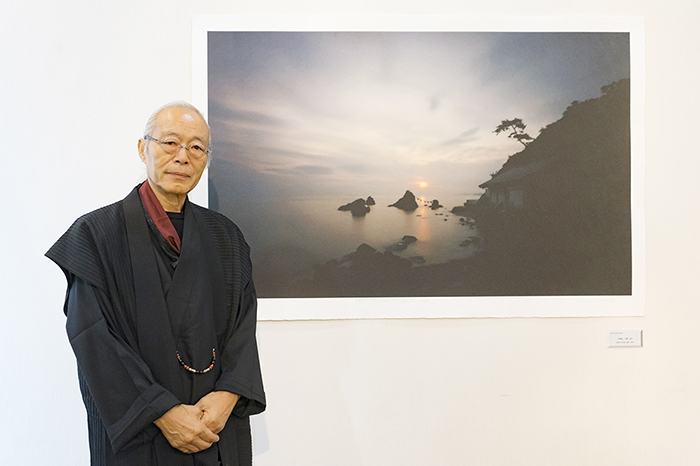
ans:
(556, 216)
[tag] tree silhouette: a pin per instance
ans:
(517, 128)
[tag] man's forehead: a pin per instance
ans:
(174, 120)
(188, 116)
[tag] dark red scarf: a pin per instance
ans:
(159, 217)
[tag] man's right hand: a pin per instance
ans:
(182, 426)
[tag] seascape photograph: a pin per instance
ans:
(425, 164)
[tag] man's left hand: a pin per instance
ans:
(216, 407)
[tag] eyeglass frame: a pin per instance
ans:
(182, 146)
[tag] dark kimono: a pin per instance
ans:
(132, 308)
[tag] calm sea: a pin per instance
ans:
(294, 233)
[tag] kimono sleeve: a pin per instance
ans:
(240, 362)
(123, 389)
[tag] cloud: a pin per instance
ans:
(312, 170)
(220, 111)
(348, 109)
(467, 136)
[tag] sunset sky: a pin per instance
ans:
(342, 113)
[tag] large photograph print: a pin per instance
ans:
(425, 164)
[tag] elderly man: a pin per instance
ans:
(161, 313)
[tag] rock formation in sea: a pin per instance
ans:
(407, 202)
(358, 208)
(460, 210)
(466, 221)
(435, 205)
(403, 244)
(370, 201)
(362, 251)
(475, 240)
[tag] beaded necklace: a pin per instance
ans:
(195, 371)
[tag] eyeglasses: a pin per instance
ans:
(172, 145)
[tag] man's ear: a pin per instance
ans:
(142, 149)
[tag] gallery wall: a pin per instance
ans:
(78, 80)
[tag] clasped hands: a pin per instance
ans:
(193, 428)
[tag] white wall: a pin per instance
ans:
(77, 81)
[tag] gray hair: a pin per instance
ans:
(151, 123)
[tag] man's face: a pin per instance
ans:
(178, 173)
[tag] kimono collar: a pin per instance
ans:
(159, 217)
